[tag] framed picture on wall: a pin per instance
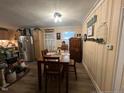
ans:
(58, 36)
(90, 31)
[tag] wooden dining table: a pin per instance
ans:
(64, 59)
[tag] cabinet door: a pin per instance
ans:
(1, 35)
(76, 49)
(4, 35)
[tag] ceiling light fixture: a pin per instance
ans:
(57, 17)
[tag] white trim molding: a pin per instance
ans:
(93, 81)
(95, 6)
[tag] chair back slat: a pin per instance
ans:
(52, 64)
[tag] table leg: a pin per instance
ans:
(67, 76)
(39, 76)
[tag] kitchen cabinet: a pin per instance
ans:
(4, 35)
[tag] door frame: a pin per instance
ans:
(120, 63)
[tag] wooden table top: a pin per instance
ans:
(64, 57)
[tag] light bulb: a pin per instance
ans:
(57, 17)
(60, 19)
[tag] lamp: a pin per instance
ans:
(57, 17)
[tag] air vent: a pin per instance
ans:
(49, 30)
(3, 29)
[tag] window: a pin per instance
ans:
(49, 41)
(67, 35)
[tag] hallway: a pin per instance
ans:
(28, 84)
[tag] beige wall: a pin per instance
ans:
(102, 63)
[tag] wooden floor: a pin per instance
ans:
(29, 84)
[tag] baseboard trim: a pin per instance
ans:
(93, 81)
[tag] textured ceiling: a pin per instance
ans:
(14, 13)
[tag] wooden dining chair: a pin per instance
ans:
(72, 64)
(44, 52)
(53, 68)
